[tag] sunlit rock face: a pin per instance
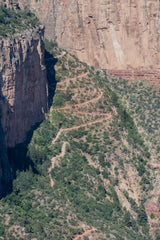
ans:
(119, 34)
(23, 84)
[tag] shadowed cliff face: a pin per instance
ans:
(23, 84)
(5, 170)
(23, 98)
(111, 35)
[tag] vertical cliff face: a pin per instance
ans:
(45, 10)
(5, 171)
(110, 35)
(23, 84)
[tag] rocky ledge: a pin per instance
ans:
(151, 75)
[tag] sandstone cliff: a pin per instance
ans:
(110, 35)
(22, 83)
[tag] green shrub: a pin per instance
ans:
(152, 216)
(12, 22)
(142, 217)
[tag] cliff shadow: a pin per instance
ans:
(17, 155)
(12, 159)
(5, 169)
(18, 159)
(50, 62)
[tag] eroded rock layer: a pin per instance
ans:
(121, 35)
(151, 75)
(23, 84)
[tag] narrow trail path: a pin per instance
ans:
(87, 232)
(63, 149)
(53, 161)
(72, 79)
(61, 89)
(89, 123)
(89, 113)
(81, 125)
(102, 117)
(81, 104)
(76, 90)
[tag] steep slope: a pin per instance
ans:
(143, 101)
(92, 175)
(23, 82)
(110, 35)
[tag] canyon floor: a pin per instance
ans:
(94, 171)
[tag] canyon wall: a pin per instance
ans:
(23, 90)
(118, 34)
(23, 84)
(5, 169)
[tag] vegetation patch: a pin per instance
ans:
(91, 164)
(12, 22)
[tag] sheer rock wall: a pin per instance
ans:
(119, 34)
(23, 84)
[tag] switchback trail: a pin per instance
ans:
(74, 90)
(81, 104)
(71, 79)
(89, 113)
(64, 130)
(82, 125)
(63, 149)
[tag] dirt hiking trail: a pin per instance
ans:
(82, 125)
(70, 79)
(53, 161)
(104, 117)
(80, 104)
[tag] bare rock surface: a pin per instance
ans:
(121, 35)
(23, 84)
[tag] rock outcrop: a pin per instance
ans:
(151, 75)
(23, 84)
(121, 35)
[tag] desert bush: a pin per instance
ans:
(12, 22)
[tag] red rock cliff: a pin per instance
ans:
(23, 84)
(118, 34)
